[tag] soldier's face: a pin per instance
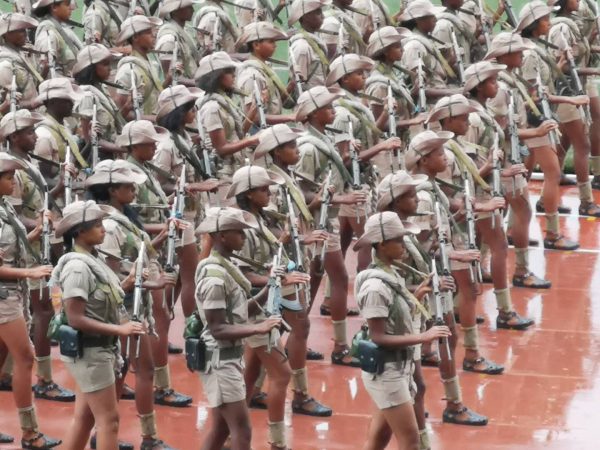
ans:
(325, 115)
(94, 235)
(264, 48)
(260, 196)
(490, 87)
(144, 152)
(228, 80)
(543, 26)
(62, 11)
(103, 69)
(392, 248)
(436, 161)
(232, 240)
(394, 52)
(313, 20)
(17, 38)
(459, 125)
(512, 60)
(407, 203)
(288, 153)
(123, 193)
(25, 139)
(354, 81)
(7, 182)
(426, 24)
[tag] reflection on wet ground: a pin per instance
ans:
(547, 399)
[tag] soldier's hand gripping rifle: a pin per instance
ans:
(356, 185)
(135, 99)
(13, 93)
(137, 301)
(68, 179)
(543, 96)
(45, 238)
(485, 26)
(298, 264)
(51, 58)
(515, 143)
(296, 72)
(176, 214)
(94, 134)
(458, 52)
(393, 125)
(475, 269)
(206, 148)
(262, 115)
(575, 78)
(324, 216)
(496, 183)
(273, 305)
(437, 303)
(421, 105)
(216, 34)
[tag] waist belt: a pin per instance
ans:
(98, 341)
(398, 356)
(226, 353)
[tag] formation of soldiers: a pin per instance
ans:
(163, 156)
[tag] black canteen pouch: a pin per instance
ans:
(371, 357)
(69, 341)
(195, 354)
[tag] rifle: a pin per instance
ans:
(90, 31)
(545, 105)
(355, 164)
(459, 61)
(68, 181)
(174, 58)
(298, 254)
(496, 185)
(13, 93)
(216, 35)
(135, 100)
(262, 118)
(273, 305)
(206, 148)
(51, 59)
(475, 269)
(176, 213)
(421, 105)
(94, 134)
(137, 299)
(510, 14)
(374, 17)
(45, 238)
(583, 110)
(515, 144)
(437, 302)
(485, 26)
(392, 125)
(341, 50)
(296, 72)
(324, 214)
(132, 6)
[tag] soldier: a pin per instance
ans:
(339, 19)
(217, 30)
(55, 41)
(15, 246)
(102, 22)
(92, 296)
(224, 302)
(449, 22)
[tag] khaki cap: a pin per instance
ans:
(141, 132)
(396, 184)
(384, 37)
(19, 120)
(59, 88)
(315, 98)
(175, 96)
(15, 21)
(80, 212)
(116, 171)
(451, 106)
(507, 42)
(211, 63)
(8, 163)
(345, 64)
(252, 177)
(423, 144)
(300, 8)
(533, 11)
(479, 72)
(257, 31)
(42, 3)
(226, 219)
(136, 24)
(383, 226)
(92, 54)
(168, 6)
(273, 137)
(420, 8)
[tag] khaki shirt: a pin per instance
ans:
(148, 76)
(204, 19)
(150, 193)
(376, 12)
(14, 252)
(353, 38)
(24, 68)
(64, 44)
(97, 20)
(426, 219)
(415, 47)
(311, 66)
(443, 32)
(27, 195)
(52, 141)
(580, 47)
(108, 114)
(533, 61)
(171, 33)
(251, 70)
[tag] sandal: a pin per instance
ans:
(530, 280)
(127, 393)
(539, 207)
(531, 242)
(338, 358)
(169, 397)
(174, 350)
(122, 445)
(469, 417)
(596, 182)
(513, 321)
(489, 367)
(589, 210)
(47, 442)
(326, 311)
(259, 401)
(154, 444)
(430, 359)
(43, 390)
(319, 410)
(566, 181)
(6, 439)
(486, 277)
(313, 355)
(560, 243)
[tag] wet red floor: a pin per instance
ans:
(547, 398)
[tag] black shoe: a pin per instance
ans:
(560, 243)
(596, 182)
(531, 281)
(47, 442)
(489, 368)
(127, 393)
(42, 391)
(174, 350)
(566, 181)
(338, 358)
(259, 401)
(539, 207)
(472, 418)
(6, 439)
(326, 311)
(6, 384)
(169, 397)
(532, 242)
(478, 319)
(313, 355)
(154, 444)
(318, 409)
(520, 323)
(589, 210)
(122, 445)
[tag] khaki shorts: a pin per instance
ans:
(187, 237)
(11, 308)
(567, 113)
(392, 388)
(225, 383)
(533, 143)
(261, 340)
(459, 244)
(333, 241)
(95, 370)
(520, 183)
(591, 87)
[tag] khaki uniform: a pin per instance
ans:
(148, 76)
(108, 114)
(171, 34)
(377, 13)
(21, 64)
(52, 141)
(204, 19)
(14, 296)
(220, 285)
(266, 78)
(104, 19)
(353, 39)
(379, 299)
(246, 16)
(99, 287)
(61, 41)
(310, 53)
(448, 21)
(418, 45)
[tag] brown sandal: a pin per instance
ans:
(560, 243)
(530, 280)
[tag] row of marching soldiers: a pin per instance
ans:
(156, 161)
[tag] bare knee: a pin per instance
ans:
(301, 328)
(109, 422)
